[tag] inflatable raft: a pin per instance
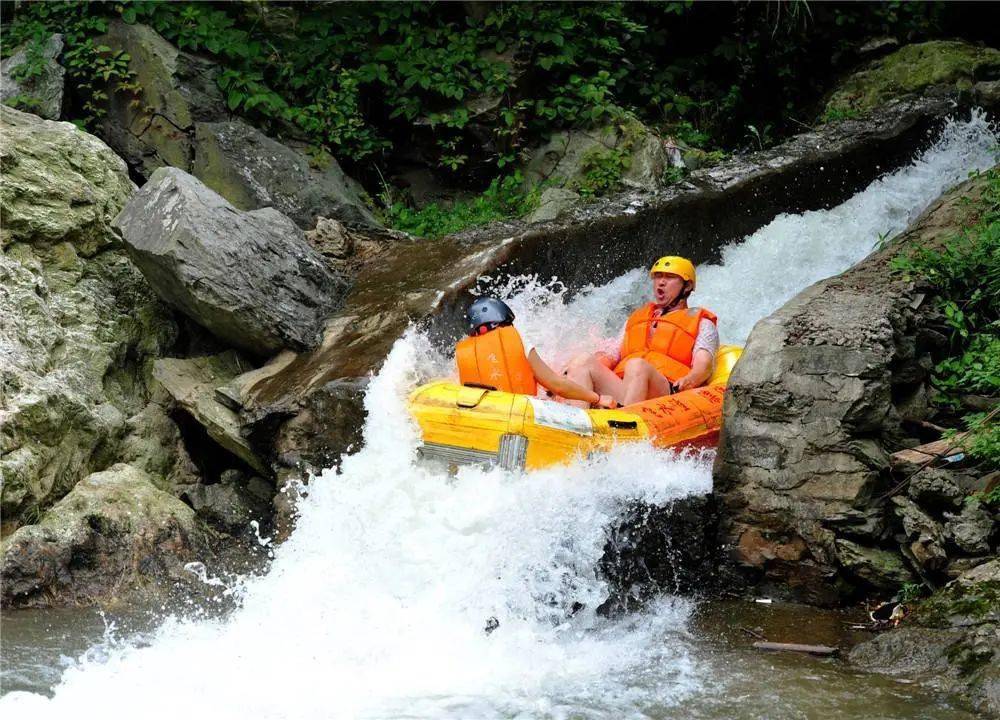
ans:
(467, 425)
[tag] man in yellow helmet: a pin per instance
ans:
(666, 346)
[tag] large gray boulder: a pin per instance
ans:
(252, 171)
(41, 93)
(813, 409)
(154, 125)
(568, 156)
(78, 323)
(113, 536)
(250, 278)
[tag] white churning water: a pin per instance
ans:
(376, 606)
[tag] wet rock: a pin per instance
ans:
(922, 534)
(812, 396)
(659, 548)
(232, 503)
(41, 94)
(253, 171)
(881, 569)
(972, 529)
(248, 277)
(553, 203)
(154, 126)
(192, 382)
(80, 323)
(949, 643)
(115, 535)
(565, 159)
(914, 69)
(345, 251)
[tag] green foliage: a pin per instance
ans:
(673, 175)
(504, 198)
(964, 269)
(834, 114)
(361, 79)
(92, 70)
(983, 439)
(965, 272)
(601, 171)
(991, 498)
(910, 592)
(976, 370)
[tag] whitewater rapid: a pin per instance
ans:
(377, 605)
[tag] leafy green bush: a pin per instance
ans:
(486, 80)
(966, 273)
(976, 370)
(504, 198)
(984, 438)
(601, 171)
(92, 70)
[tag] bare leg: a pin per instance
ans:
(588, 371)
(643, 382)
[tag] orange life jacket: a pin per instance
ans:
(668, 345)
(496, 360)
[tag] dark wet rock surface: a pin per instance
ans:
(248, 277)
(657, 549)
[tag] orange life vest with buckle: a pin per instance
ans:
(495, 359)
(666, 342)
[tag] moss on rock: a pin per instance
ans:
(913, 69)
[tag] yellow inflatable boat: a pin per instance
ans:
(463, 425)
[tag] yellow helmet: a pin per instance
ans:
(676, 266)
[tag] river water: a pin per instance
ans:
(377, 605)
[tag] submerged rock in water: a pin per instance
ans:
(250, 278)
(42, 93)
(655, 549)
(79, 322)
(951, 642)
(113, 536)
(252, 171)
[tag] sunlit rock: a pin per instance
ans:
(250, 278)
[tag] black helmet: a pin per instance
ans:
(489, 313)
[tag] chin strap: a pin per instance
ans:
(681, 297)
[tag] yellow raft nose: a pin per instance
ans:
(463, 425)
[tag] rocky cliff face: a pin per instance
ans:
(80, 325)
(813, 409)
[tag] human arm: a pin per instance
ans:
(563, 386)
(703, 360)
(701, 370)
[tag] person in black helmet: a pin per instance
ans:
(493, 357)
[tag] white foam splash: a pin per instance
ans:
(377, 606)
